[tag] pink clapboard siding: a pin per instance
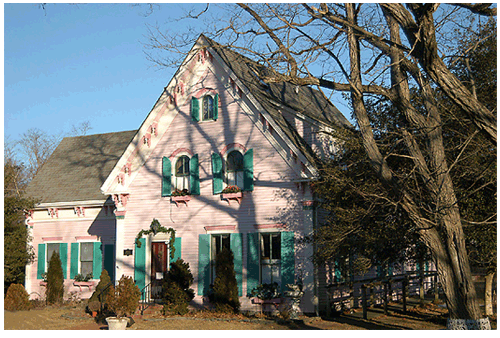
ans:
(67, 231)
(274, 200)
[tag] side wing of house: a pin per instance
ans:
(72, 217)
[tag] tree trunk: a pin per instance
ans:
(488, 288)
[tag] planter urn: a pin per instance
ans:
(115, 323)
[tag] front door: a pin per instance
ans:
(159, 257)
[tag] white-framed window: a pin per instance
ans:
(181, 173)
(270, 257)
(86, 258)
(207, 108)
(219, 242)
(234, 169)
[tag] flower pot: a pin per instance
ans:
(115, 323)
(236, 196)
(180, 199)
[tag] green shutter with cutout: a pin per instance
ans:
(75, 257)
(140, 264)
(216, 106)
(166, 177)
(253, 270)
(109, 261)
(236, 246)
(287, 259)
(97, 263)
(41, 261)
(177, 246)
(248, 170)
(63, 255)
(195, 109)
(194, 172)
(203, 264)
(217, 173)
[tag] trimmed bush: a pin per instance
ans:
(124, 300)
(225, 289)
(55, 280)
(176, 291)
(99, 296)
(16, 298)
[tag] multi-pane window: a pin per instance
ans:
(86, 258)
(270, 258)
(207, 108)
(51, 248)
(219, 242)
(235, 169)
(181, 179)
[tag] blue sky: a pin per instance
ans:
(73, 63)
(69, 64)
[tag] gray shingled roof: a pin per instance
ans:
(78, 168)
(305, 100)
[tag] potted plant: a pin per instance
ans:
(180, 196)
(232, 192)
(123, 301)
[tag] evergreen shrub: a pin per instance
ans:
(176, 291)
(224, 293)
(99, 296)
(55, 280)
(16, 298)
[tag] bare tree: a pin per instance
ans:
(36, 147)
(357, 49)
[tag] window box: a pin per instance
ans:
(236, 196)
(256, 300)
(180, 199)
(42, 283)
(87, 284)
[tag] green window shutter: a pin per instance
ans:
(195, 109)
(337, 272)
(203, 264)
(140, 264)
(248, 170)
(109, 261)
(253, 270)
(63, 254)
(216, 106)
(194, 172)
(166, 175)
(75, 257)
(41, 261)
(287, 259)
(177, 246)
(97, 264)
(217, 173)
(236, 246)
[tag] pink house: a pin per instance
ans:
(215, 125)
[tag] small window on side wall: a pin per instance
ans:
(181, 181)
(235, 169)
(86, 258)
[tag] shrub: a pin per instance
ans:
(176, 291)
(55, 280)
(124, 300)
(16, 298)
(225, 288)
(99, 295)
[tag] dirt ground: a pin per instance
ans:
(73, 317)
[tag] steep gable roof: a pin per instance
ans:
(274, 96)
(78, 167)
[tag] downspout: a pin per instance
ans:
(316, 286)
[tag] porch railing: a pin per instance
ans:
(145, 298)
